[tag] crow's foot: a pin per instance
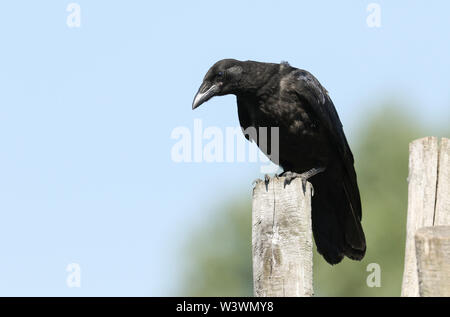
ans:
(290, 176)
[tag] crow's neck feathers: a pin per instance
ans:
(256, 76)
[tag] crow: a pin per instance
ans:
(312, 144)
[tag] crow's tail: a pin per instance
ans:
(336, 216)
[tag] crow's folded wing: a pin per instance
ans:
(315, 98)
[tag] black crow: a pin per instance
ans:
(312, 144)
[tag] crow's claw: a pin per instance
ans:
(289, 176)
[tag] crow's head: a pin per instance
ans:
(221, 79)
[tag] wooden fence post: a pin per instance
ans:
(428, 199)
(442, 214)
(282, 239)
(433, 260)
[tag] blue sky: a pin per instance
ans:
(86, 116)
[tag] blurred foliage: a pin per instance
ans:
(220, 252)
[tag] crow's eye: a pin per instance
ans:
(220, 74)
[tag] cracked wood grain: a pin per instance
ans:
(282, 239)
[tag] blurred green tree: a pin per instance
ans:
(220, 253)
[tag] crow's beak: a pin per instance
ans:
(205, 92)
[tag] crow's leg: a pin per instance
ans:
(289, 176)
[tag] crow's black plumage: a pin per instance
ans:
(310, 137)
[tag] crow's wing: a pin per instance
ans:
(313, 96)
(308, 89)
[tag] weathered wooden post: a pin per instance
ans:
(428, 202)
(433, 260)
(282, 239)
